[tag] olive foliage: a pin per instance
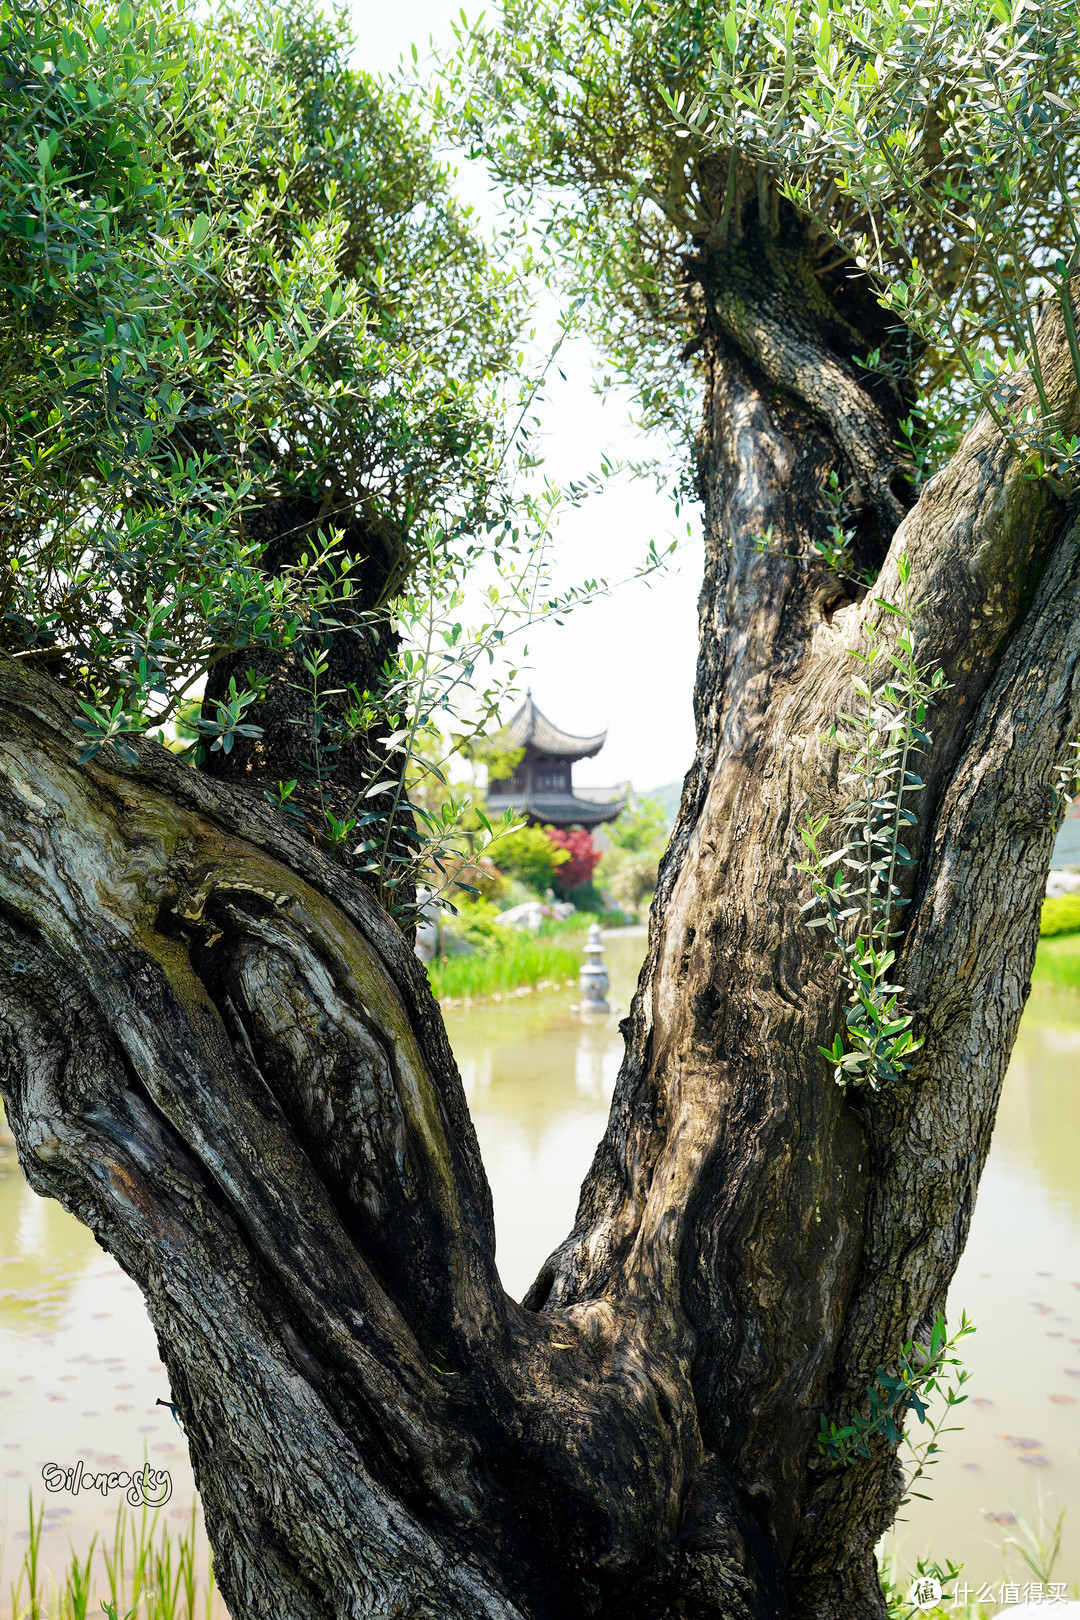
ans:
(232, 270)
(928, 147)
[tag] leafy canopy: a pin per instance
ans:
(641, 826)
(530, 854)
(231, 271)
(937, 145)
(931, 146)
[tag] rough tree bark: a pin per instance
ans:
(222, 1056)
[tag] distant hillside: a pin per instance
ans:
(667, 798)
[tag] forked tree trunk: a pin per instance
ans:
(223, 1057)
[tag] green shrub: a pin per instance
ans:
(588, 905)
(637, 842)
(528, 853)
(473, 928)
(640, 828)
(1057, 963)
(1060, 915)
(630, 877)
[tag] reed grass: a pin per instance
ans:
(518, 960)
(146, 1572)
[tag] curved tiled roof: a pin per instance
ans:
(558, 809)
(531, 728)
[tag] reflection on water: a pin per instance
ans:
(539, 1084)
(42, 1253)
(1018, 1455)
(79, 1378)
(79, 1373)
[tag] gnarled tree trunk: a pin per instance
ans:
(221, 1055)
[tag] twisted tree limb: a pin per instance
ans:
(221, 1055)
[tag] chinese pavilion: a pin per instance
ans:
(541, 789)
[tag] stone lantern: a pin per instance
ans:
(593, 979)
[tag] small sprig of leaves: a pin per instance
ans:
(228, 722)
(325, 736)
(835, 548)
(429, 680)
(410, 828)
(101, 726)
(898, 1593)
(922, 1370)
(1066, 784)
(282, 799)
(859, 879)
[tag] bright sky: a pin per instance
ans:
(625, 662)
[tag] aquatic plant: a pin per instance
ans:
(1037, 1538)
(146, 1571)
(517, 960)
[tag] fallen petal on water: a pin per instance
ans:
(1064, 1400)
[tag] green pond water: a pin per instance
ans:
(80, 1375)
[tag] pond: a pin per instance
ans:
(539, 1083)
(80, 1376)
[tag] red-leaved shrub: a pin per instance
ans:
(584, 858)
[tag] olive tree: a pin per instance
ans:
(253, 351)
(220, 1052)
